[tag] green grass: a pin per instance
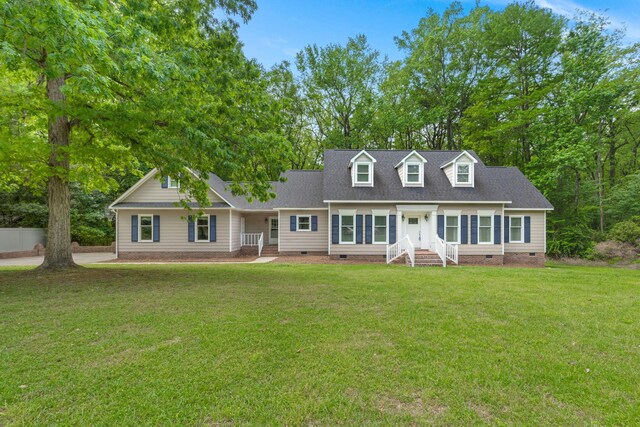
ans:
(320, 345)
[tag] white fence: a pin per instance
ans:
(21, 239)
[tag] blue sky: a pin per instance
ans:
(280, 28)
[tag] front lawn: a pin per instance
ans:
(319, 345)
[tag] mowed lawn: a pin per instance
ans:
(320, 345)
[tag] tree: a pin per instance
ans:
(340, 84)
(104, 85)
(445, 59)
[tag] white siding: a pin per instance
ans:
(537, 233)
(297, 241)
(152, 191)
(356, 249)
(173, 232)
(449, 172)
(235, 230)
(472, 209)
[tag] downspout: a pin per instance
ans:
(329, 229)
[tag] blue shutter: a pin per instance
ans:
(441, 226)
(292, 223)
(165, 182)
(474, 229)
(212, 228)
(464, 229)
(134, 228)
(506, 229)
(527, 229)
(156, 228)
(497, 224)
(191, 230)
(359, 229)
(335, 229)
(368, 230)
(392, 229)
(314, 223)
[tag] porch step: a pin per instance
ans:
(426, 258)
(268, 250)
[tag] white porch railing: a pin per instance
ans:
(252, 239)
(446, 251)
(260, 243)
(399, 248)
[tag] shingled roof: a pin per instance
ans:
(302, 189)
(490, 184)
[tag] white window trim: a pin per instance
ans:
(173, 183)
(369, 182)
(420, 181)
(298, 222)
(384, 214)
(445, 227)
(140, 229)
(491, 235)
(342, 242)
(521, 229)
(196, 228)
(471, 174)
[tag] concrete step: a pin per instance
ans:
(428, 264)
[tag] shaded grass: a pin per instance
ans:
(319, 344)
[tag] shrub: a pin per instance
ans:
(570, 241)
(615, 251)
(90, 236)
(626, 232)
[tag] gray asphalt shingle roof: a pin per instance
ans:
(490, 184)
(302, 189)
(164, 205)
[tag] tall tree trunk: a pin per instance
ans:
(58, 252)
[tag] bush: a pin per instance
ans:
(90, 236)
(570, 241)
(615, 251)
(626, 231)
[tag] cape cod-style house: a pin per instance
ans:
(429, 207)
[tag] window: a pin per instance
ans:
(146, 228)
(452, 229)
(413, 221)
(347, 228)
(172, 183)
(304, 223)
(485, 229)
(413, 173)
(515, 229)
(463, 174)
(202, 229)
(363, 173)
(380, 229)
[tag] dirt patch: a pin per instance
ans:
(481, 411)
(415, 407)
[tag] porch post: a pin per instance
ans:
(434, 228)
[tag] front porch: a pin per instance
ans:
(259, 233)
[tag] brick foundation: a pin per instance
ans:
(297, 253)
(367, 258)
(480, 260)
(176, 255)
(525, 258)
(77, 249)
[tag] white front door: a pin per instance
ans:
(413, 230)
(273, 230)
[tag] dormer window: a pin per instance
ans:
(460, 170)
(361, 166)
(414, 173)
(462, 173)
(411, 170)
(363, 173)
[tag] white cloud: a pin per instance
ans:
(568, 8)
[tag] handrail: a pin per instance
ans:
(249, 239)
(441, 250)
(260, 243)
(399, 248)
(446, 251)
